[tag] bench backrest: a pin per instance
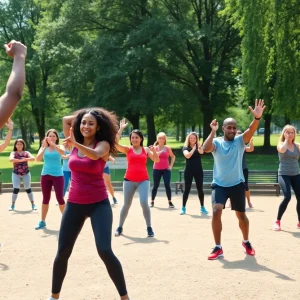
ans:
(120, 163)
(261, 176)
(255, 176)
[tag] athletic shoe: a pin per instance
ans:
(40, 225)
(152, 204)
(249, 249)
(171, 205)
(33, 206)
(115, 200)
(150, 232)
(216, 253)
(276, 226)
(203, 210)
(12, 207)
(118, 231)
(183, 210)
(298, 225)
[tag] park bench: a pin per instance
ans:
(260, 181)
(120, 164)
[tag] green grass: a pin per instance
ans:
(255, 161)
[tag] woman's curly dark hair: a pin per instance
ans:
(107, 121)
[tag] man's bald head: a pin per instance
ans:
(229, 129)
(229, 121)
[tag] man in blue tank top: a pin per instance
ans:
(228, 178)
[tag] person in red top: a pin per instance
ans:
(136, 176)
(91, 133)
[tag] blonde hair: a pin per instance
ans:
(187, 140)
(160, 134)
(285, 128)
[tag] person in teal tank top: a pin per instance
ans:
(52, 173)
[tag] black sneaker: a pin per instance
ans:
(119, 231)
(150, 232)
(171, 205)
(152, 204)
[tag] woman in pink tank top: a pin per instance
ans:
(136, 177)
(163, 167)
(91, 133)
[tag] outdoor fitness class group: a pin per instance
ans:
(92, 138)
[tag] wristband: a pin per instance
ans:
(257, 118)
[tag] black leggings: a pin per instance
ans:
(188, 179)
(166, 173)
(286, 182)
(71, 225)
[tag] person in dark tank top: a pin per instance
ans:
(288, 172)
(192, 152)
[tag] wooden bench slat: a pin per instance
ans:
(257, 179)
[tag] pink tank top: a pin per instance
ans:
(163, 160)
(87, 184)
(137, 166)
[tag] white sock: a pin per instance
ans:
(245, 241)
(219, 246)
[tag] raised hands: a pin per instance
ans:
(214, 125)
(152, 148)
(70, 140)
(45, 143)
(15, 49)
(259, 108)
(9, 124)
(123, 124)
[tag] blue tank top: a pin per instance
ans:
(66, 162)
(52, 163)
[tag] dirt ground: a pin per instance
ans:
(171, 266)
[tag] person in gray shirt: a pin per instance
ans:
(288, 172)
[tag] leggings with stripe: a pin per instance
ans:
(72, 222)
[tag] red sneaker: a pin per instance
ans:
(216, 253)
(277, 226)
(249, 249)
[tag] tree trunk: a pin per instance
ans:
(183, 133)
(151, 129)
(177, 131)
(268, 118)
(24, 131)
(207, 118)
(134, 120)
(287, 119)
